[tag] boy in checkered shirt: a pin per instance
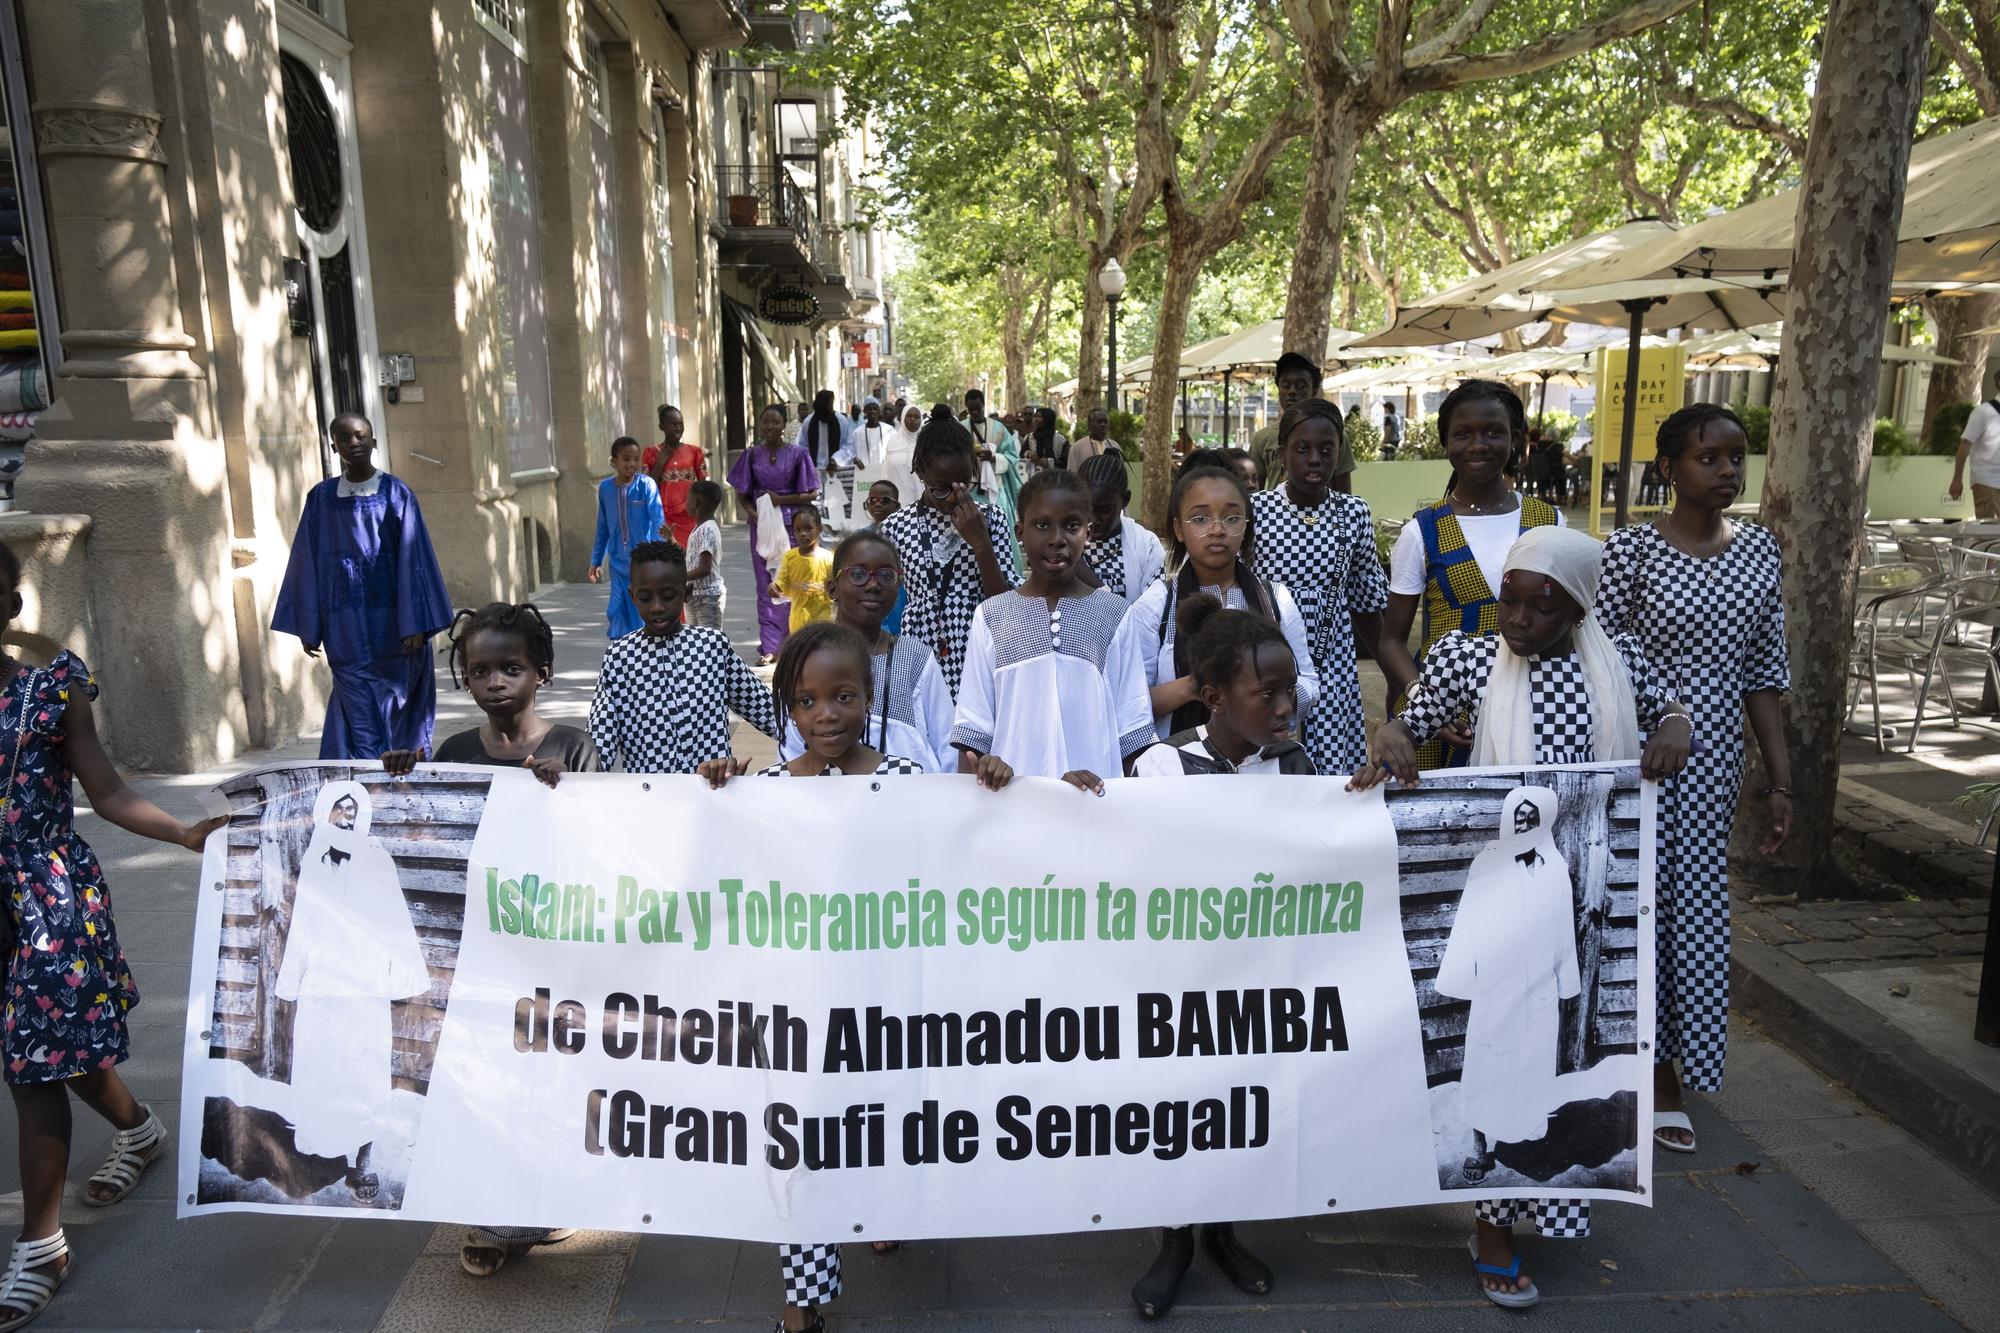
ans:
(665, 691)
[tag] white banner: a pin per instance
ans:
(905, 1008)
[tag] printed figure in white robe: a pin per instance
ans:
(1512, 953)
(350, 951)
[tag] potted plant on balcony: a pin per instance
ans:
(742, 210)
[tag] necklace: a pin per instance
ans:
(1474, 508)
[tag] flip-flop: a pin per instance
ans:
(1673, 1120)
(1506, 1300)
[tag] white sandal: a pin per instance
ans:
(1673, 1120)
(132, 1151)
(29, 1283)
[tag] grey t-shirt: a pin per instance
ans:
(706, 537)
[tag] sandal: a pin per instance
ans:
(30, 1282)
(886, 1246)
(1506, 1300)
(1673, 1120)
(132, 1151)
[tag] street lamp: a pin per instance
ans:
(1111, 281)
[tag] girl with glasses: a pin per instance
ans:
(910, 710)
(1214, 547)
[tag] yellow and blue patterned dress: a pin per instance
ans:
(68, 988)
(1456, 596)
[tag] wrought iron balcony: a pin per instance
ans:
(767, 220)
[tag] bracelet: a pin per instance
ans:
(1785, 792)
(1685, 717)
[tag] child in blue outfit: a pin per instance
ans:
(628, 513)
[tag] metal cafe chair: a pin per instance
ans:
(1973, 601)
(1891, 607)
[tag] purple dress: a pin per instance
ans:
(786, 470)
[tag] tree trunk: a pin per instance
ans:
(1823, 408)
(1184, 263)
(1090, 348)
(1013, 338)
(1955, 317)
(1337, 128)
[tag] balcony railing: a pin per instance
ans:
(756, 196)
(830, 251)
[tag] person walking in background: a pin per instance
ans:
(674, 466)
(1979, 445)
(1392, 432)
(784, 475)
(1298, 379)
(363, 585)
(707, 594)
(628, 513)
(996, 480)
(1097, 441)
(824, 436)
(1048, 446)
(803, 573)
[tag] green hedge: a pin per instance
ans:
(1946, 429)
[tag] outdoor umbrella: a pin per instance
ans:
(1950, 230)
(1756, 348)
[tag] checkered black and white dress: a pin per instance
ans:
(1715, 629)
(1129, 561)
(942, 578)
(812, 1272)
(1326, 556)
(663, 704)
(1453, 681)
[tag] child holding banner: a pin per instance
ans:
(1704, 594)
(911, 707)
(68, 988)
(1552, 688)
(664, 695)
(1052, 687)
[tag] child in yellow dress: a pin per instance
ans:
(804, 572)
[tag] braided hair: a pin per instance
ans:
(1686, 427)
(828, 635)
(1219, 641)
(660, 552)
(1055, 483)
(940, 438)
(1106, 474)
(1309, 409)
(1185, 586)
(523, 619)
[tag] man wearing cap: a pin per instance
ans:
(1298, 379)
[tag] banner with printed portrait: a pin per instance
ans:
(907, 1007)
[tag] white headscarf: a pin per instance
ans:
(1506, 731)
(899, 451)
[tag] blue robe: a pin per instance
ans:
(362, 578)
(617, 534)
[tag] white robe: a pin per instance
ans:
(350, 950)
(892, 464)
(1512, 953)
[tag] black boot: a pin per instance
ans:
(1244, 1269)
(1155, 1293)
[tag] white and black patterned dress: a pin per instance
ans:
(811, 1273)
(663, 704)
(1326, 556)
(942, 578)
(1453, 681)
(1715, 630)
(1054, 690)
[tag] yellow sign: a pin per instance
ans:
(1662, 392)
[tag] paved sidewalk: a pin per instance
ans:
(1802, 1211)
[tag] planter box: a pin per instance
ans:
(742, 210)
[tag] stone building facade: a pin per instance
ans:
(496, 227)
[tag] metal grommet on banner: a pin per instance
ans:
(646, 1217)
(874, 786)
(1645, 911)
(217, 886)
(190, 1200)
(1332, 1202)
(1642, 1189)
(645, 786)
(205, 1034)
(857, 1228)
(1095, 1218)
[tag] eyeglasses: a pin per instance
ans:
(1201, 523)
(860, 576)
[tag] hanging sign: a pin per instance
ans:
(788, 305)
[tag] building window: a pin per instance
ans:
(507, 20)
(523, 353)
(596, 81)
(330, 12)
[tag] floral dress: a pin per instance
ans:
(68, 988)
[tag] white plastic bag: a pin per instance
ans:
(833, 503)
(772, 539)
